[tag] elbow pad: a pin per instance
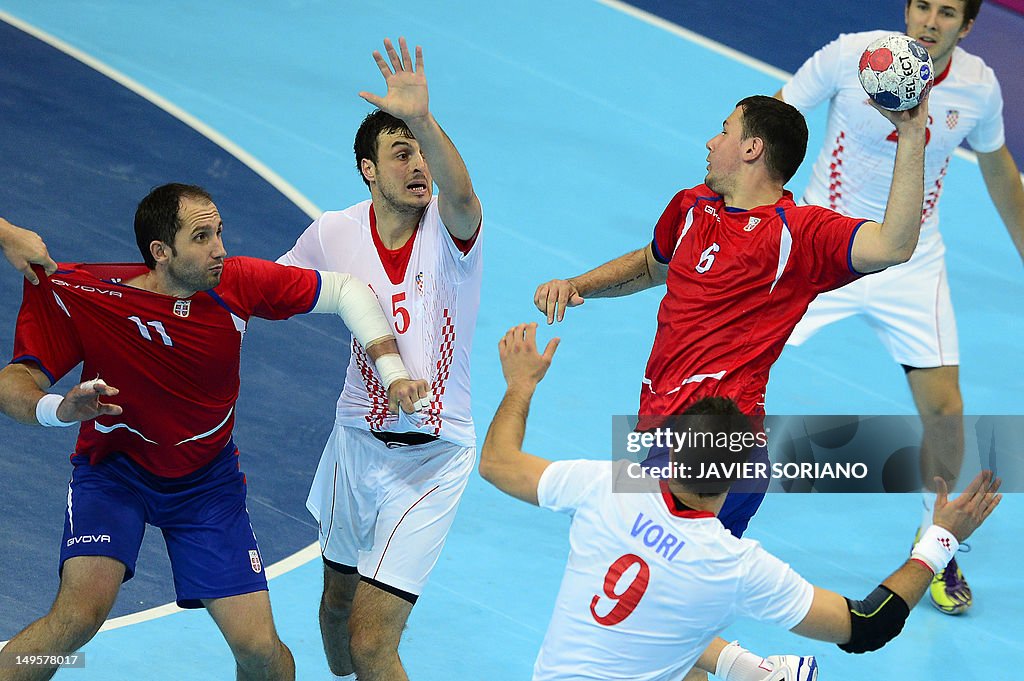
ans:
(352, 300)
(875, 621)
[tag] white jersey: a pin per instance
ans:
(432, 303)
(854, 169)
(647, 587)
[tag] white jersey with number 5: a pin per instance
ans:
(430, 290)
(647, 586)
(854, 168)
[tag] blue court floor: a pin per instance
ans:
(578, 120)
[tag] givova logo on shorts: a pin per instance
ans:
(90, 539)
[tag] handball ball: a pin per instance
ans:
(896, 72)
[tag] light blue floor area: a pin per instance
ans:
(578, 123)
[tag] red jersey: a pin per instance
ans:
(174, 360)
(738, 282)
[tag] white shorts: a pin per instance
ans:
(907, 305)
(385, 511)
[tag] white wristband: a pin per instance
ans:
(46, 411)
(391, 369)
(935, 548)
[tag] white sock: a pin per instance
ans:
(735, 663)
(347, 677)
(928, 501)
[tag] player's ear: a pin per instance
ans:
(754, 148)
(368, 169)
(965, 30)
(159, 250)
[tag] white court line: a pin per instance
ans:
(725, 51)
(257, 166)
(294, 195)
(279, 568)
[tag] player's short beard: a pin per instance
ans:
(395, 205)
(192, 279)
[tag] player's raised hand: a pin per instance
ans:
(555, 296)
(24, 248)
(967, 512)
(915, 117)
(406, 97)
(522, 365)
(408, 394)
(82, 403)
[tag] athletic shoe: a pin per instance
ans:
(949, 590)
(793, 668)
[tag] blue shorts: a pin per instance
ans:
(744, 497)
(202, 515)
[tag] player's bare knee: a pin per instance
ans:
(78, 615)
(258, 649)
(371, 644)
(339, 591)
(77, 624)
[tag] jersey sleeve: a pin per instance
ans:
(823, 245)
(989, 134)
(667, 229)
(460, 257)
(45, 333)
(817, 79)
(771, 591)
(273, 291)
(308, 250)
(565, 485)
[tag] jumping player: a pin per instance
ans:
(388, 486)
(741, 261)
(160, 343)
(909, 305)
(631, 609)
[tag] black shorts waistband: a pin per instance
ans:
(411, 439)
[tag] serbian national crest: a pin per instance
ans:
(254, 560)
(952, 116)
(751, 223)
(182, 307)
(419, 282)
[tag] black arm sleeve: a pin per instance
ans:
(875, 621)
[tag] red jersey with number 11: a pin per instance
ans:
(175, 360)
(738, 282)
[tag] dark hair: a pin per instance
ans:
(718, 433)
(971, 9)
(156, 218)
(782, 129)
(375, 123)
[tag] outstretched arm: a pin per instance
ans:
(408, 100)
(1003, 181)
(862, 626)
(627, 274)
(23, 248)
(877, 246)
(24, 399)
(352, 300)
(503, 463)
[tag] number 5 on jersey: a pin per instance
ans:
(400, 313)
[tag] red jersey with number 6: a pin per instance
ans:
(738, 282)
(174, 360)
